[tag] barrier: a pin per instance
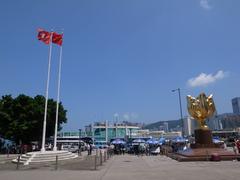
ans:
(101, 160)
(95, 162)
(56, 163)
(215, 157)
(18, 162)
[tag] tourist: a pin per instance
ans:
(185, 147)
(224, 145)
(121, 149)
(88, 149)
(33, 147)
(147, 149)
(237, 144)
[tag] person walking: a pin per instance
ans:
(88, 149)
(237, 144)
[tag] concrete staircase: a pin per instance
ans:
(47, 156)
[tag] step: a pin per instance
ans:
(53, 158)
(38, 157)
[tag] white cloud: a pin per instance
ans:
(205, 4)
(205, 79)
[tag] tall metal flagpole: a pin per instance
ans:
(46, 98)
(58, 94)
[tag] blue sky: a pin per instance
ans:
(124, 56)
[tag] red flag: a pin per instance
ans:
(57, 38)
(44, 36)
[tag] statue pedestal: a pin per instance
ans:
(205, 154)
(204, 149)
(203, 136)
(203, 139)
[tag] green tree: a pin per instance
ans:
(21, 118)
(6, 104)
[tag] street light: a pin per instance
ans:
(180, 105)
(79, 142)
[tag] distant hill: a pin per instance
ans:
(155, 126)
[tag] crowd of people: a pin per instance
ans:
(170, 146)
(136, 149)
(131, 148)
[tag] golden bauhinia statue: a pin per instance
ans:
(201, 108)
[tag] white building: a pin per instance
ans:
(165, 126)
(189, 125)
(215, 123)
(236, 105)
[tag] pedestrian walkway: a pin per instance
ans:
(130, 167)
(162, 167)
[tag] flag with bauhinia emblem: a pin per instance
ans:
(57, 38)
(44, 36)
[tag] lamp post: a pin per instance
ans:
(79, 142)
(180, 105)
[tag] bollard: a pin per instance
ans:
(215, 157)
(207, 155)
(18, 161)
(105, 156)
(56, 164)
(7, 153)
(95, 162)
(101, 158)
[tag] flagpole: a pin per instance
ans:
(58, 97)
(46, 98)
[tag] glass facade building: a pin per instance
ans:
(108, 133)
(102, 132)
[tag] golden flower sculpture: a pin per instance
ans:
(201, 108)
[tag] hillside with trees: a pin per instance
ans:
(155, 126)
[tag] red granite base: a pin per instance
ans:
(212, 145)
(204, 154)
(203, 136)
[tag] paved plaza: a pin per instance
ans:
(129, 167)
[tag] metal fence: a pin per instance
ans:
(84, 162)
